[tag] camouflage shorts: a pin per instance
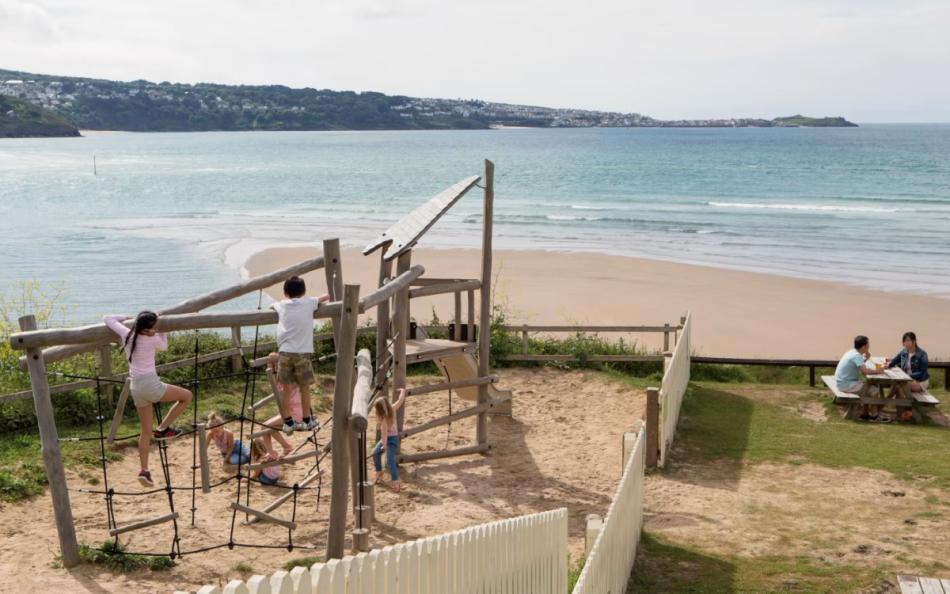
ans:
(294, 368)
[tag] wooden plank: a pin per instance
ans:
(237, 362)
(653, 427)
(202, 302)
(203, 458)
(408, 230)
(362, 391)
(442, 289)
(49, 446)
(426, 349)
(591, 358)
(829, 380)
(285, 497)
(119, 410)
(263, 401)
(143, 524)
(403, 278)
(105, 370)
(463, 451)
(909, 585)
(263, 516)
(429, 388)
(478, 408)
(925, 398)
(400, 326)
(284, 461)
(946, 585)
(346, 350)
(588, 329)
(930, 585)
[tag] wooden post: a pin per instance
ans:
(811, 376)
(203, 457)
(946, 379)
(524, 341)
(236, 360)
(471, 316)
(346, 350)
(401, 331)
(119, 410)
(666, 338)
(594, 525)
(333, 272)
(484, 334)
(653, 427)
(382, 326)
(105, 370)
(458, 316)
(52, 459)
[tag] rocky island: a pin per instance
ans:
(20, 119)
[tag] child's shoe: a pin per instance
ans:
(165, 434)
(288, 428)
(145, 478)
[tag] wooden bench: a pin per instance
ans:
(921, 585)
(840, 396)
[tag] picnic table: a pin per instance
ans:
(882, 381)
(910, 584)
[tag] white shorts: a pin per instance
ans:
(147, 389)
(855, 388)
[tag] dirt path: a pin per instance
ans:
(561, 448)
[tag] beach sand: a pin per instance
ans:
(736, 314)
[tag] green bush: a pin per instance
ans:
(23, 480)
(112, 555)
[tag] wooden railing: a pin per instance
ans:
(428, 287)
(611, 558)
(668, 330)
(523, 554)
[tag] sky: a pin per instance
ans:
(867, 60)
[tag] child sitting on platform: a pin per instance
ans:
(389, 442)
(259, 453)
(232, 450)
(295, 346)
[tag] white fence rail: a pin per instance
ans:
(526, 555)
(673, 388)
(610, 561)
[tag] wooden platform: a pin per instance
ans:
(427, 349)
(921, 585)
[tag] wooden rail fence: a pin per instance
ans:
(668, 330)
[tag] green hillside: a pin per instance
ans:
(20, 119)
(807, 122)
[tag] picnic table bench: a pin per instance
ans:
(921, 585)
(885, 378)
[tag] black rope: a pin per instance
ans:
(194, 437)
(110, 516)
(86, 377)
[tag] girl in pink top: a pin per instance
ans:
(389, 430)
(140, 343)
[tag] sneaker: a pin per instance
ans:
(288, 428)
(145, 479)
(307, 426)
(165, 434)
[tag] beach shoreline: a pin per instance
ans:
(736, 313)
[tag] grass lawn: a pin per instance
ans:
(753, 425)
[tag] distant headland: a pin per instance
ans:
(143, 106)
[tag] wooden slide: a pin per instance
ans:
(462, 367)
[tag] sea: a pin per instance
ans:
(122, 221)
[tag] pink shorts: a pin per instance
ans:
(296, 409)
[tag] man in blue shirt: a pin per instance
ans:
(850, 371)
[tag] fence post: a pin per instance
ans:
(236, 360)
(594, 525)
(524, 341)
(485, 313)
(946, 379)
(52, 458)
(653, 426)
(105, 370)
(666, 337)
(811, 375)
(458, 316)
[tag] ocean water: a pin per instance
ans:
(171, 215)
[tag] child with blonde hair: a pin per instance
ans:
(389, 442)
(232, 450)
(268, 475)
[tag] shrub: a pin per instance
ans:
(112, 555)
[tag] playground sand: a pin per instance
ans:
(738, 314)
(560, 449)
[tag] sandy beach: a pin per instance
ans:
(736, 313)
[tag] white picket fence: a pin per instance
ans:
(527, 555)
(673, 388)
(610, 561)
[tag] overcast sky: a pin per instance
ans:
(868, 60)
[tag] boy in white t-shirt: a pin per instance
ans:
(295, 348)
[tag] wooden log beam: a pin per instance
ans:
(203, 457)
(343, 390)
(467, 383)
(590, 358)
(362, 391)
(143, 524)
(474, 410)
(283, 461)
(464, 451)
(285, 497)
(653, 427)
(119, 410)
(441, 289)
(400, 317)
(168, 323)
(485, 313)
(592, 329)
(49, 446)
(403, 278)
(263, 516)
(201, 302)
